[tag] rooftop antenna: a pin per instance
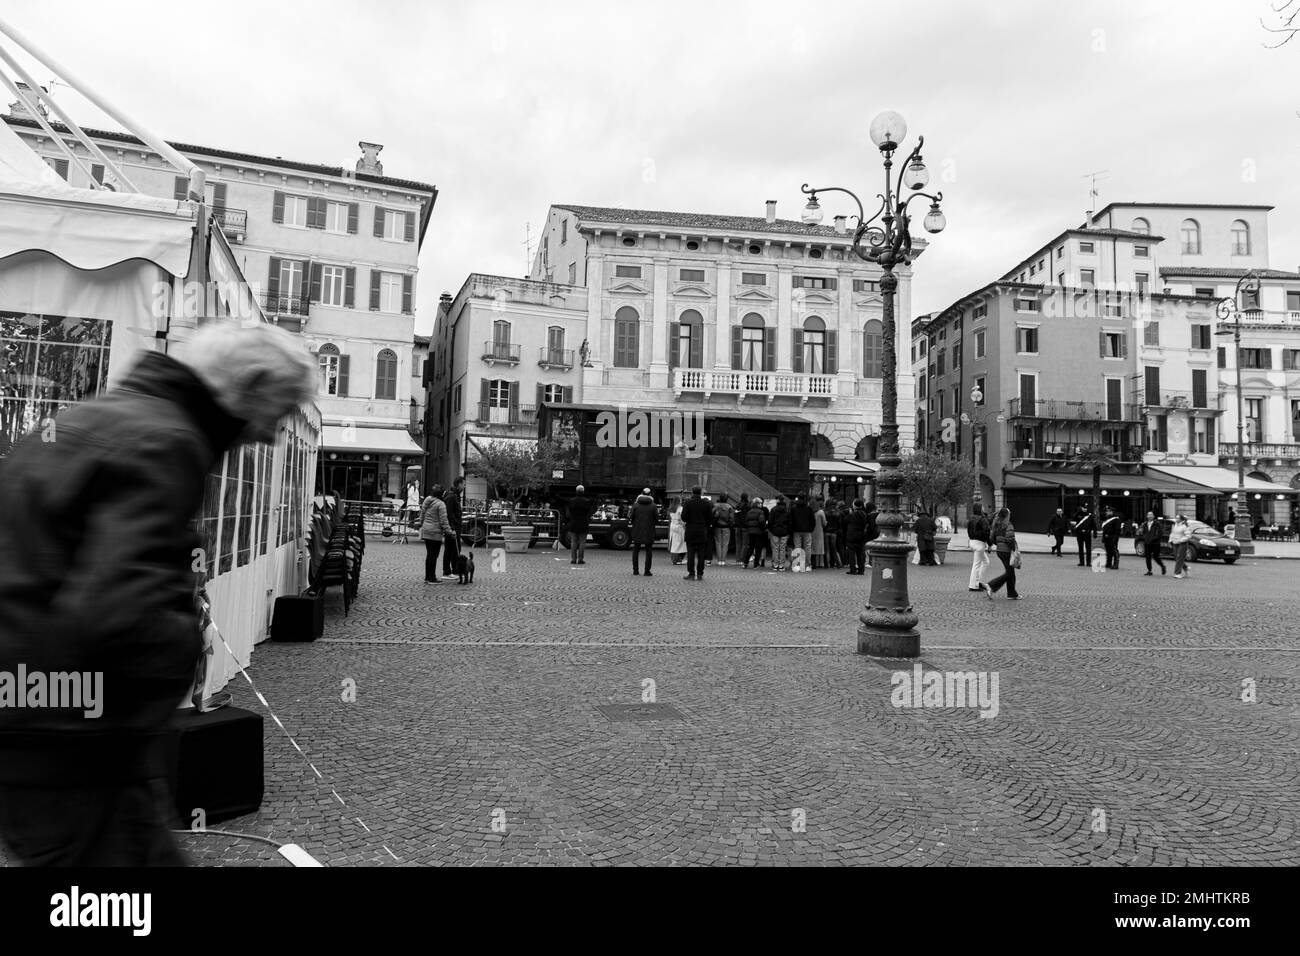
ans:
(1093, 193)
(528, 249)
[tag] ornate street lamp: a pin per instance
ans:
(1229, 307)
(887, 628)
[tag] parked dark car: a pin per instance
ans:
(611, 527)
(1205, 544)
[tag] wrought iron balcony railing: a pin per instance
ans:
(506, 415)
(556, 358)
(280, 304)
(1054, 409)
(233, 222)
(1173, 398)
(505, 352)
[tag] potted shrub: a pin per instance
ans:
(938, 483)
(512, 470)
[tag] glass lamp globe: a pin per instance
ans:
(888, 130)
(976, 395)
(812, 213)
(935, 220)
(916, 175)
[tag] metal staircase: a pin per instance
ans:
(717, 475)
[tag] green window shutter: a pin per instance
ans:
(315, 213)
(541, 390)
(349, 287)
(797, 357)
(568, 394)
(410, 227)
(737, 347)
(484, 396)
(1123, 345)
(314, 294)
(304, 283)
(1102, 346)
(219, 196)
(832, 353)
(514, 401)
(769, 350)
(277, 210)
(180, 188)
(354, 216)
(379, 222)
(374, 289)
(408, 295)
(674, 340)
(697, 345)
(273, 278)
(343, 375)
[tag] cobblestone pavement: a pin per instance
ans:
(1121, 736)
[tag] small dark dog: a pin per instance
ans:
(465, 568)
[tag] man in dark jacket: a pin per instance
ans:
(451, 544)
(697, 516)
(1110, 529)
(802, 522)
(778, 533)
(755, 533)
(645, 516)
(1152, 537)
(855, 538)
(1057, 527)
(924, 527)
(579, 524)
(97, 578)
(1083, 527)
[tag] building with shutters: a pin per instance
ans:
(333, 255)
(500, 348)
(1104, 339)
(760, 316)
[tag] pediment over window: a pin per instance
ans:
(809, 297)
(863, 301)
(693, 292)
(628, 288)
(755, 295)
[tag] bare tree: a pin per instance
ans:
(1286, 14)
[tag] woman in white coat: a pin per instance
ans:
(676, 532)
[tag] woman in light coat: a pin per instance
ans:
(676, 531)
(818, 550)
(1179, 535)
(434, 529)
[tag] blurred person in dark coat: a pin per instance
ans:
(645, 516)
(97, 555)
(697, 516)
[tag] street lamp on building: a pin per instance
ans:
(1229, 307)
(887, 627)
(979, 434)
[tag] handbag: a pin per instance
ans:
(1015, 559)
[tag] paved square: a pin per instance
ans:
(1121, 735)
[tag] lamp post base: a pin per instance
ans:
(1243, 535)
(887, 628)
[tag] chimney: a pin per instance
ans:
(369, 161)
(771, 210)
(840, 227)
(19, 111)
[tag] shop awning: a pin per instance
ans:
(843, 466)
(361, 438)
(1079, 481)
(1218, 480)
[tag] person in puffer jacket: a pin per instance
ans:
(97, 580)
(778, 533)
(755, 534)
(1179, 536)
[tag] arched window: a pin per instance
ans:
(331, 370)
(873, 349)
(627, 338)
(749, 344)
(686, 345)
(1240, 238)
(866, 450)
(386, 375)
(822, 448)
(1141, 225)
(1190, 236)
(810, 346)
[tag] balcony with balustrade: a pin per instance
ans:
(500, 353)
(287, 311)
(1175, 399)
(768, 385)
(1259, 452)
(233, 222)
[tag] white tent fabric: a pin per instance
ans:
(87, 228)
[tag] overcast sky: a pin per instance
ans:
(716, 107)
